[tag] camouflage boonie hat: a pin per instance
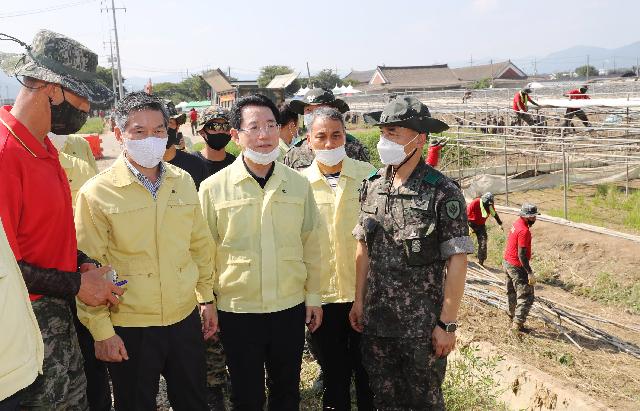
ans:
(487, 197)
(316, 97)
(528, 210)
(409, 112)
(212, 113)
(58, 59)
(173, 113)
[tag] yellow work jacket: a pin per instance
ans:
(78, 147)
(339, 211)
(21, 347)
(267, 240)
(78, 172)
(161, 247)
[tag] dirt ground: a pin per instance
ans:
(570, 255)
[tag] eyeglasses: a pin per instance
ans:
(217, 127)
(255, 130)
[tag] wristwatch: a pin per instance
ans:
(448, 327)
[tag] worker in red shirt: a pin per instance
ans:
(478, 211)
(576, 94)
(193, 118)
(520, 106)
(519, 275)
(58, 77)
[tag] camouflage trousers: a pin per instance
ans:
(216, 364)
(519, 292)
(63, 385)
(404, 373)
(480, 230)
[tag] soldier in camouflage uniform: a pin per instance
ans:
(300, 154)
(216, 375)
(60, 72)
(519, 275)
(412, 226)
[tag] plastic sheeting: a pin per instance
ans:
(475, 186)
(593, 102)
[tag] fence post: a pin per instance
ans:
(565, 177)
(459, 160)
(506, 171)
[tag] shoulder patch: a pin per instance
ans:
(433, 177)
(452, 208)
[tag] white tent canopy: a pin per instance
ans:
(302, 91)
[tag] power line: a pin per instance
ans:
(44, 10)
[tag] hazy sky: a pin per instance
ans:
(159, 37)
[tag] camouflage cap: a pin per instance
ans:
(528, 210)
(316, 97)
(487, 197)
(58, 59)
(409, 112)
(173, 113)
(212, 113)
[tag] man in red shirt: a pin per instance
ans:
(576, 94)
(520, 106)
(193, 118)
(520, 278)
(35, 206)
(478, 211)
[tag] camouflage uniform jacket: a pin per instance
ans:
(301, 156)
(410, 232)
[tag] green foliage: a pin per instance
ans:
(607, 202)
(565, 359)
(481, 84)
(583, 70)
(351, 82)
(606, 289)
(94, 125)
(193, 88)
(267, 73)
(469, 383)
(326, 79)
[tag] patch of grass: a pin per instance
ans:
(94, 125)
(470, 384)
(608, 201)
(495, 245)
(565, 359)
(605, 289)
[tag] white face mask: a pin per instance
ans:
(262, 158)
(330, 157)
(391, 153)
(147, 152)
(57, 140)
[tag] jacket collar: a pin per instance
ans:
(238, 171)
(122, 176)
(348, 170)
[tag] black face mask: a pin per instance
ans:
(530, 223)
(217, 141)
(173, 139)
(65, 118)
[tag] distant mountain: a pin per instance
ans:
(9, 87)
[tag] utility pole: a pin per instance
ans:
(115, 29)
(637, 67)
(614, 64)
(471, 60)
(491, 63)
(113, 71)
(587, 70)
(308, 75)
(535, 66)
